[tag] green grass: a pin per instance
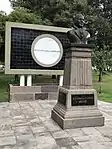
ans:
(4, 81)
(105, 86)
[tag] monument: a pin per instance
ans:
(77, 100)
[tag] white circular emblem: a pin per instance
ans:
(47, 50)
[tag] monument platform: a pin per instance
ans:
(27, 93)
(77, 100)
(26, 125)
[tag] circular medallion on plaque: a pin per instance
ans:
(47, 50)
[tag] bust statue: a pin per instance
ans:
(78, 34)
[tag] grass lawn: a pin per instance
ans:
(4, 81)
(105, 86)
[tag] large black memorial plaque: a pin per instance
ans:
(82, 99)
(21, 41)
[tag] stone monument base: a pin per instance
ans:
(77, 108)
(30, 93)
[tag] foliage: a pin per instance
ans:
(100, 26)
(102, 59)
(101, 30)
(24, 16)
(58, 12)
(102, 8)
(3, 19)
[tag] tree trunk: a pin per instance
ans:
(100, 75)
(100, 80)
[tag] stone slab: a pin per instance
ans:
(22, 93)
(41, 96)
(10, 140)
(22, 97)
(45, 131)
(64, 142)
(77, 123)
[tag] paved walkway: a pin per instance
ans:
(27, 125)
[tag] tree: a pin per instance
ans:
(24, 16)
(101, 29)
(102, 7)
(102, 59)
(3, 19)
(53, 12)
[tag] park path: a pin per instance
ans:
(28, 125)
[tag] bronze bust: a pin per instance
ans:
(78, 34)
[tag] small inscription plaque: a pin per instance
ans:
(82, 99)
(62, 98)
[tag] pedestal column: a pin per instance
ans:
(29, 80)
(22, 80)
(77, 100)
(78, 70)
(61, 81)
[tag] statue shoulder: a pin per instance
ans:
(87, 34)
(70, 31)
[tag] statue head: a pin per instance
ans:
(78, 21)
(78, 34)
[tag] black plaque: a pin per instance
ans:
(82, 99)
(62, 98)
(21, 41)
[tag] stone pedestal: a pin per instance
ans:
(77, 100)
(30, 93)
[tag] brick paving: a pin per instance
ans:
(28, 125)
